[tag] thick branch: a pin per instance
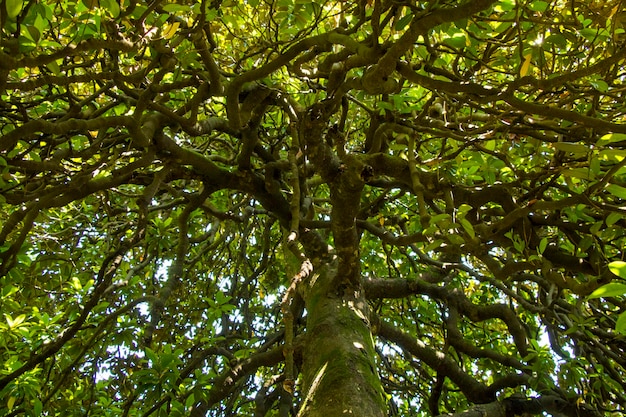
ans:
(473, 389)
(227, 382)
(399, 288)
(377, 79)
(509, 407)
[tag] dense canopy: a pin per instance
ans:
(285, 207)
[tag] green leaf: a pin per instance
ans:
(439, 218)
(463, 209)
(612, 154)
(9, 290)
(15, 323)
(583, 173)
(504, 6)
(455, 239)
(613, 289)
(14, 7)
(189, 402)
(458, 40)
(538, 6)
(589, 34)
(613, 218)
(404, 21)
(543, 244)
(37, 407)
(575, 148)
(595, 166)
(618, 268)
(469, 229)
(616, 190)
(54, 67)
(152, 356)
(434, 245)
(620, 324)
(11, 403)
(610, 138)
(173, 8)
(111, 6)
(599, 85)
(557, 40)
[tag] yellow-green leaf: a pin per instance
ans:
(620, 324)
(525, 65)
(616, 190)
(611, 137)
(467, 226)
(613, 289)
(584, 173)
(571, 147)
(11, 402)
(14, 7)
(170, 30)
(618, 268)
(15, 323)
(111, 6)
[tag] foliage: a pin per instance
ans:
(173, 174)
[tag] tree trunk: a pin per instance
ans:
(339, 376)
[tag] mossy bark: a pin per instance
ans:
(339, 376)
(338, 371)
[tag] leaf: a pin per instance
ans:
(455, 239)
(458, 40)
(594, 35)
(616, 190)
(37, 407)
(434, 245)
(620, 324)
(11, 402)
(14, 7)
(404, 21)
(9, 290)
(504, 6)
(525, 65)
(538, 6)
(618, 268)
(170, 30)
(595, 166)
(558, 40)
(54, 67)
(15, 323)
(469, 229)
(610, 138)
(611, 219)
(439, 218)
(599, 85)
(463, 209)
(173, 8)
(543, 244)
(152, 356)
(613, 289)
(111, 6)
(571, 147)
(583, 173)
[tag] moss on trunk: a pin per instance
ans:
(339, 376)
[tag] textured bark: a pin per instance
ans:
(339, 376)
(527, 407)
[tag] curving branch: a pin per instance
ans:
(475, 390)
(399, 288)
(512, 406)
(227, 382)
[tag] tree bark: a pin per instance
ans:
(339, 376)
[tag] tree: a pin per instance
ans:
(279, 207)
